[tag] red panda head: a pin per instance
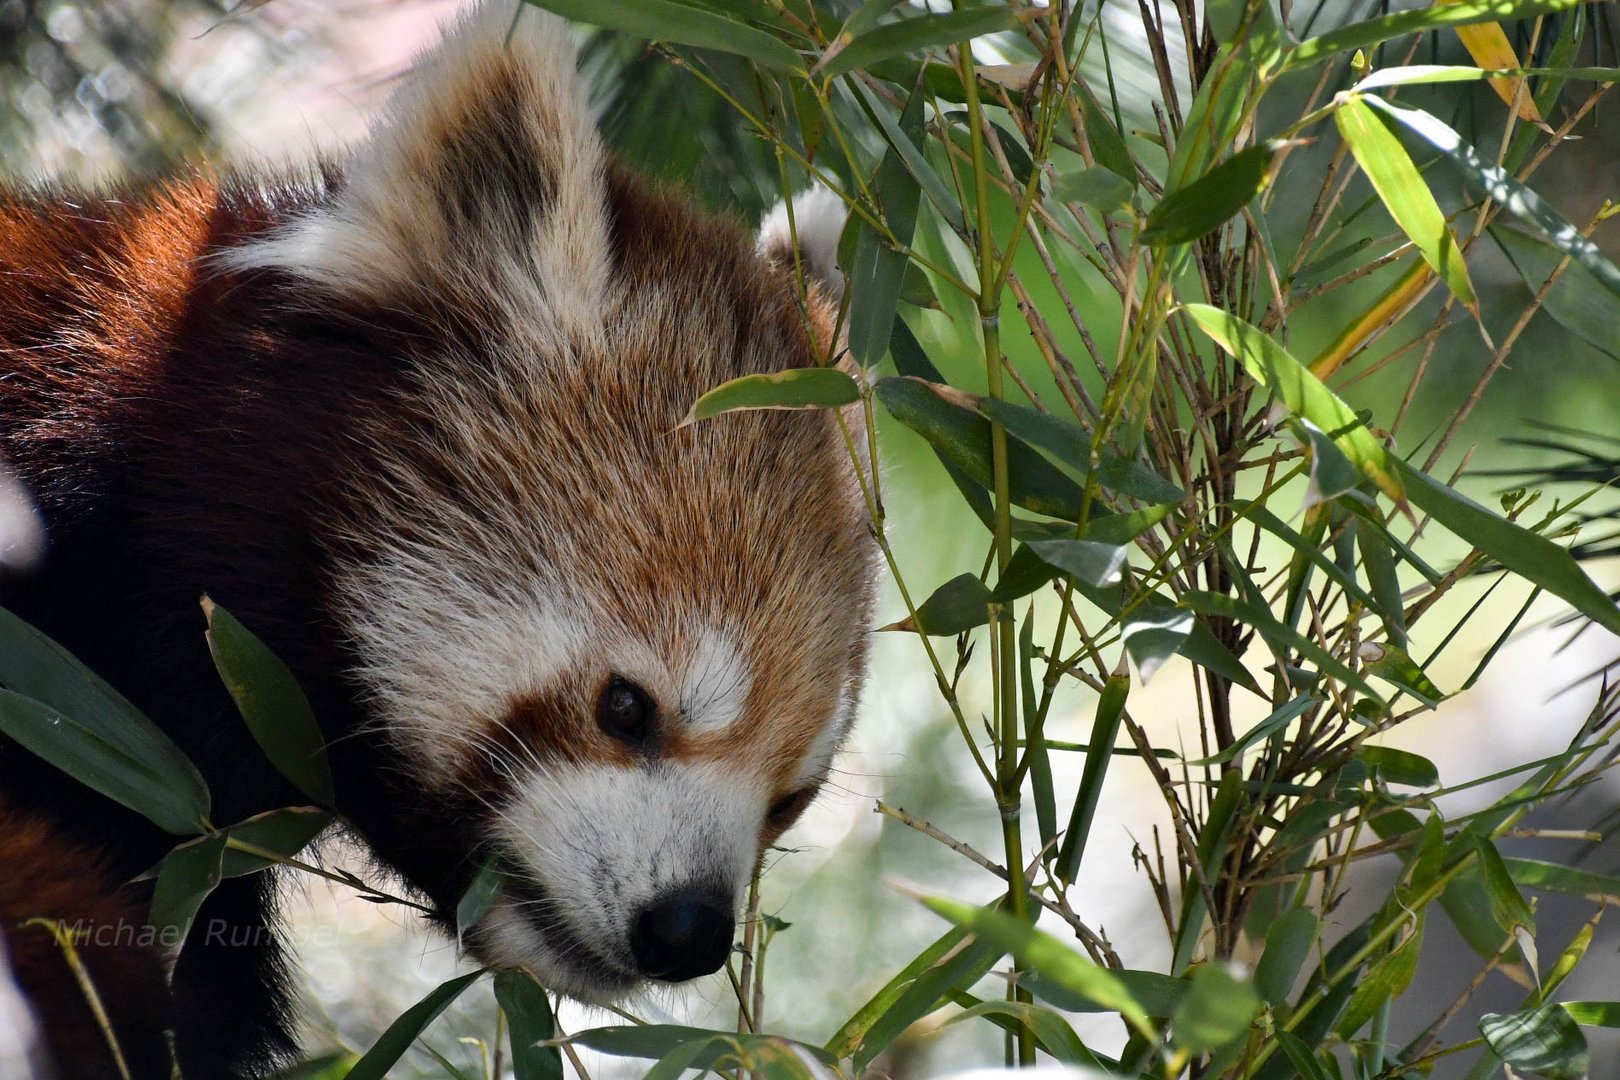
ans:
(635, 645)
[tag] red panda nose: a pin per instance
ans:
(681, 937)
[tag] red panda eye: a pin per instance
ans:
(625, 711)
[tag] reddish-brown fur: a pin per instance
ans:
(72, 886)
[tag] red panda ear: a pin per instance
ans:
(485, 173)
(815, 226)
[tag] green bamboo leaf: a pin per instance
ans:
(1305, 395)
(956, 970)
(1332, 474)
(33, 666)
(1217, 1010)
(1534, 558)
(1184, 216)
(1378, 562)
(529, 1023)
(1508, 907)
(1048, 956)
(799, 388)
(914, 34)
(853, 1034)
(1399, 766)
(905, 144)
(680, 24)
(1212, 839)
(1502, 186)
(1386, 979)
(948, 419)
(1578, 301)
(1098, 188)
(1053, 1032)
(271, 701)
(479, 895)
(1544, 1040)
(393, 1043)
(285, 832)
(1084, 560)
(1104, 730)
(1288, 944)
(1393, 664)
(878, 268)
(1152, 634)
(1593, 1013)
(1068, 444)
(1553, 877)
(188, 874)
(1387, 27)
(1279, 637)
(1158, 994)
(1405, 195)
(1265, 729)
(174, 800)
(1299, 1055)
(957, 606)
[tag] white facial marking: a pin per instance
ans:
(819, 758)
(442, 654)
(600, 844)
(716, 685)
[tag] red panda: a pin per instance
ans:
(416, 420)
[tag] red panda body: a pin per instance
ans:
(416, 423)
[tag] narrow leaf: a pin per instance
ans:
(1499, 184)
(878, 269)
(800, 388)
(1280, 637)
(1047, 955)
(189, 873)
(1305, 395)
(529, 1023)
(1104, 729)
(272, 703)
(173, 800)
(956, 606)
(1205, 205)
(913, 34)
(1361, 35)
(1534, 558)
(393, 1043)
(680, 25)
(1405, 195)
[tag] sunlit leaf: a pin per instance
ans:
(1370, 32)
(1393, 664)
(1516, 198)
(1152, 634)
(1577, 301)
(800, 388)
(1047, 955)
(1271, 365)
(1405, 194)
(1399, 766)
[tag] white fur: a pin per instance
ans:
(716, 685)
(818, 216)
(609, 841)
(384, 232)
